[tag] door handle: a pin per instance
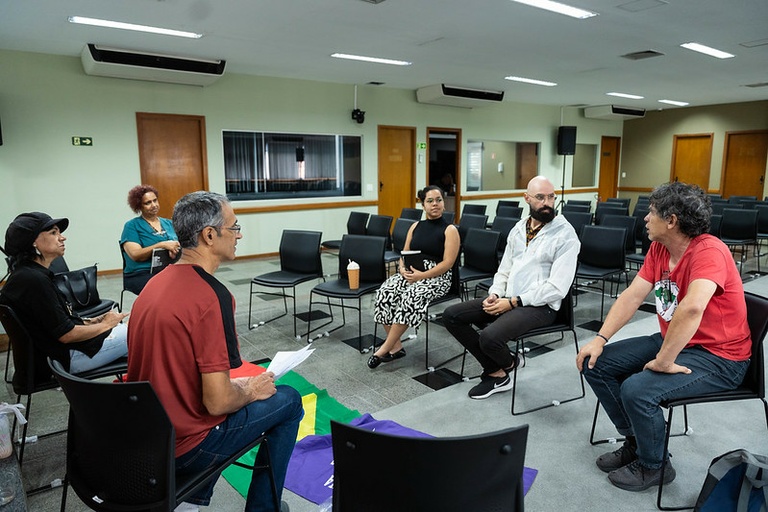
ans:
(381, 186)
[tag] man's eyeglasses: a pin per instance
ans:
(235, 229)
(436, 200)
(541, 197)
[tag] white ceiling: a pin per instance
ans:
(469, 43)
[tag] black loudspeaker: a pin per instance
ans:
(299, 154)
(566, 140)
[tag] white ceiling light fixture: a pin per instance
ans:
(530, 81)
(549, 5)
(676, 103)
(375, 60)
(625, 95)
(81, 20)
(706, 50)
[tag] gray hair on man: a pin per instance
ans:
(196, 211)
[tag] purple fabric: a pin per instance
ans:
(310, 470)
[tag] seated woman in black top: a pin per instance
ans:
(402, 300)
(33, 240)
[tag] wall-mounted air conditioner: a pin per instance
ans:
(453, 96)
(154, 67)
(614, 112)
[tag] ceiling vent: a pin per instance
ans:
(133, 65)
(614, 112)
(453, 96)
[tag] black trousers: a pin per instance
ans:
(489, 346)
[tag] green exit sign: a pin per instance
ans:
(82, 141)
(422, 145)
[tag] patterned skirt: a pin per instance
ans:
(401, 302)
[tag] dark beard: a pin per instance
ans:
(544, 214)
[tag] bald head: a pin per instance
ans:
(540, 197)
(540, 185)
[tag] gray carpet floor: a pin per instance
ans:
(558, 444)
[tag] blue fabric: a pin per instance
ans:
(279, 416)
(114, 347)
(139, 231)
(631, 395)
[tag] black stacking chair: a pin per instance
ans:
(641, 208)
(753, 386)
(603, 209)
(720, 206)
(356, 224)
(474, 209)
(581, 208)
(380, 225)
(602, 256)
(450, 217)
(738, 199)
(714, 224)
(411, 213)
(452, 473)
(626, 222)
(623, 201)
(454, 293)
(505, 202)
(503, 225)
(470, 221)
(762, 230)
(578, 220)
(399, 235)
(509, 211)
(121, 449)
(635, 260)
(579, 202)
(368, 252)
(299, 262)
(31, 372)
(480, 257)
(738, 228)
(563, 323)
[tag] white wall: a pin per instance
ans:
(45, 100)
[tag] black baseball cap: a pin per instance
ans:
(23, 231)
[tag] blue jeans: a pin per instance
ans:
(113, 348)
(279, 417)
(631, 395)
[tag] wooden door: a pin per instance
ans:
(397, 169)
(692, 159)
(746, 155)
(610, 151)
(172, 156)
(527, 163)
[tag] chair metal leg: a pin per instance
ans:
(7, 361)
(666, 461)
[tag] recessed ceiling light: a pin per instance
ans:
(371, 59)
(130, 26)
(706, 50)
(676, 103)
(549, 5)
(625, 95)
(530, 81)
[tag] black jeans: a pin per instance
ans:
(490, 345)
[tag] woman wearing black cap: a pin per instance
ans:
(32, 241)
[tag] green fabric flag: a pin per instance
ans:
(319, 410)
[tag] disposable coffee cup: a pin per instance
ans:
(353, 274)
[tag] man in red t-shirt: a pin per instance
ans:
(182, 339)
(703, 347)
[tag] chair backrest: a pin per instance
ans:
(739, 224)
(737, 199)
(379, 225)
(471, 221)
(58, 265)
(478, 472)
(506, 202)
(450, 217)
(474, 209)
(578, 220)
(120, 444)
(31, 372)
(368, 252)
(757, 318)
(623, 201)
(509, 211)
(480, 250)
(300, 252)
(714, 224)
(565, 313)
(762, 218)
(581, 208)
(411, 213)
(603, 209)
(719, 207)
(357, 222)
(503, 225)
(400, 233)
(641, 208)
(603, 247)
(626, 222)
